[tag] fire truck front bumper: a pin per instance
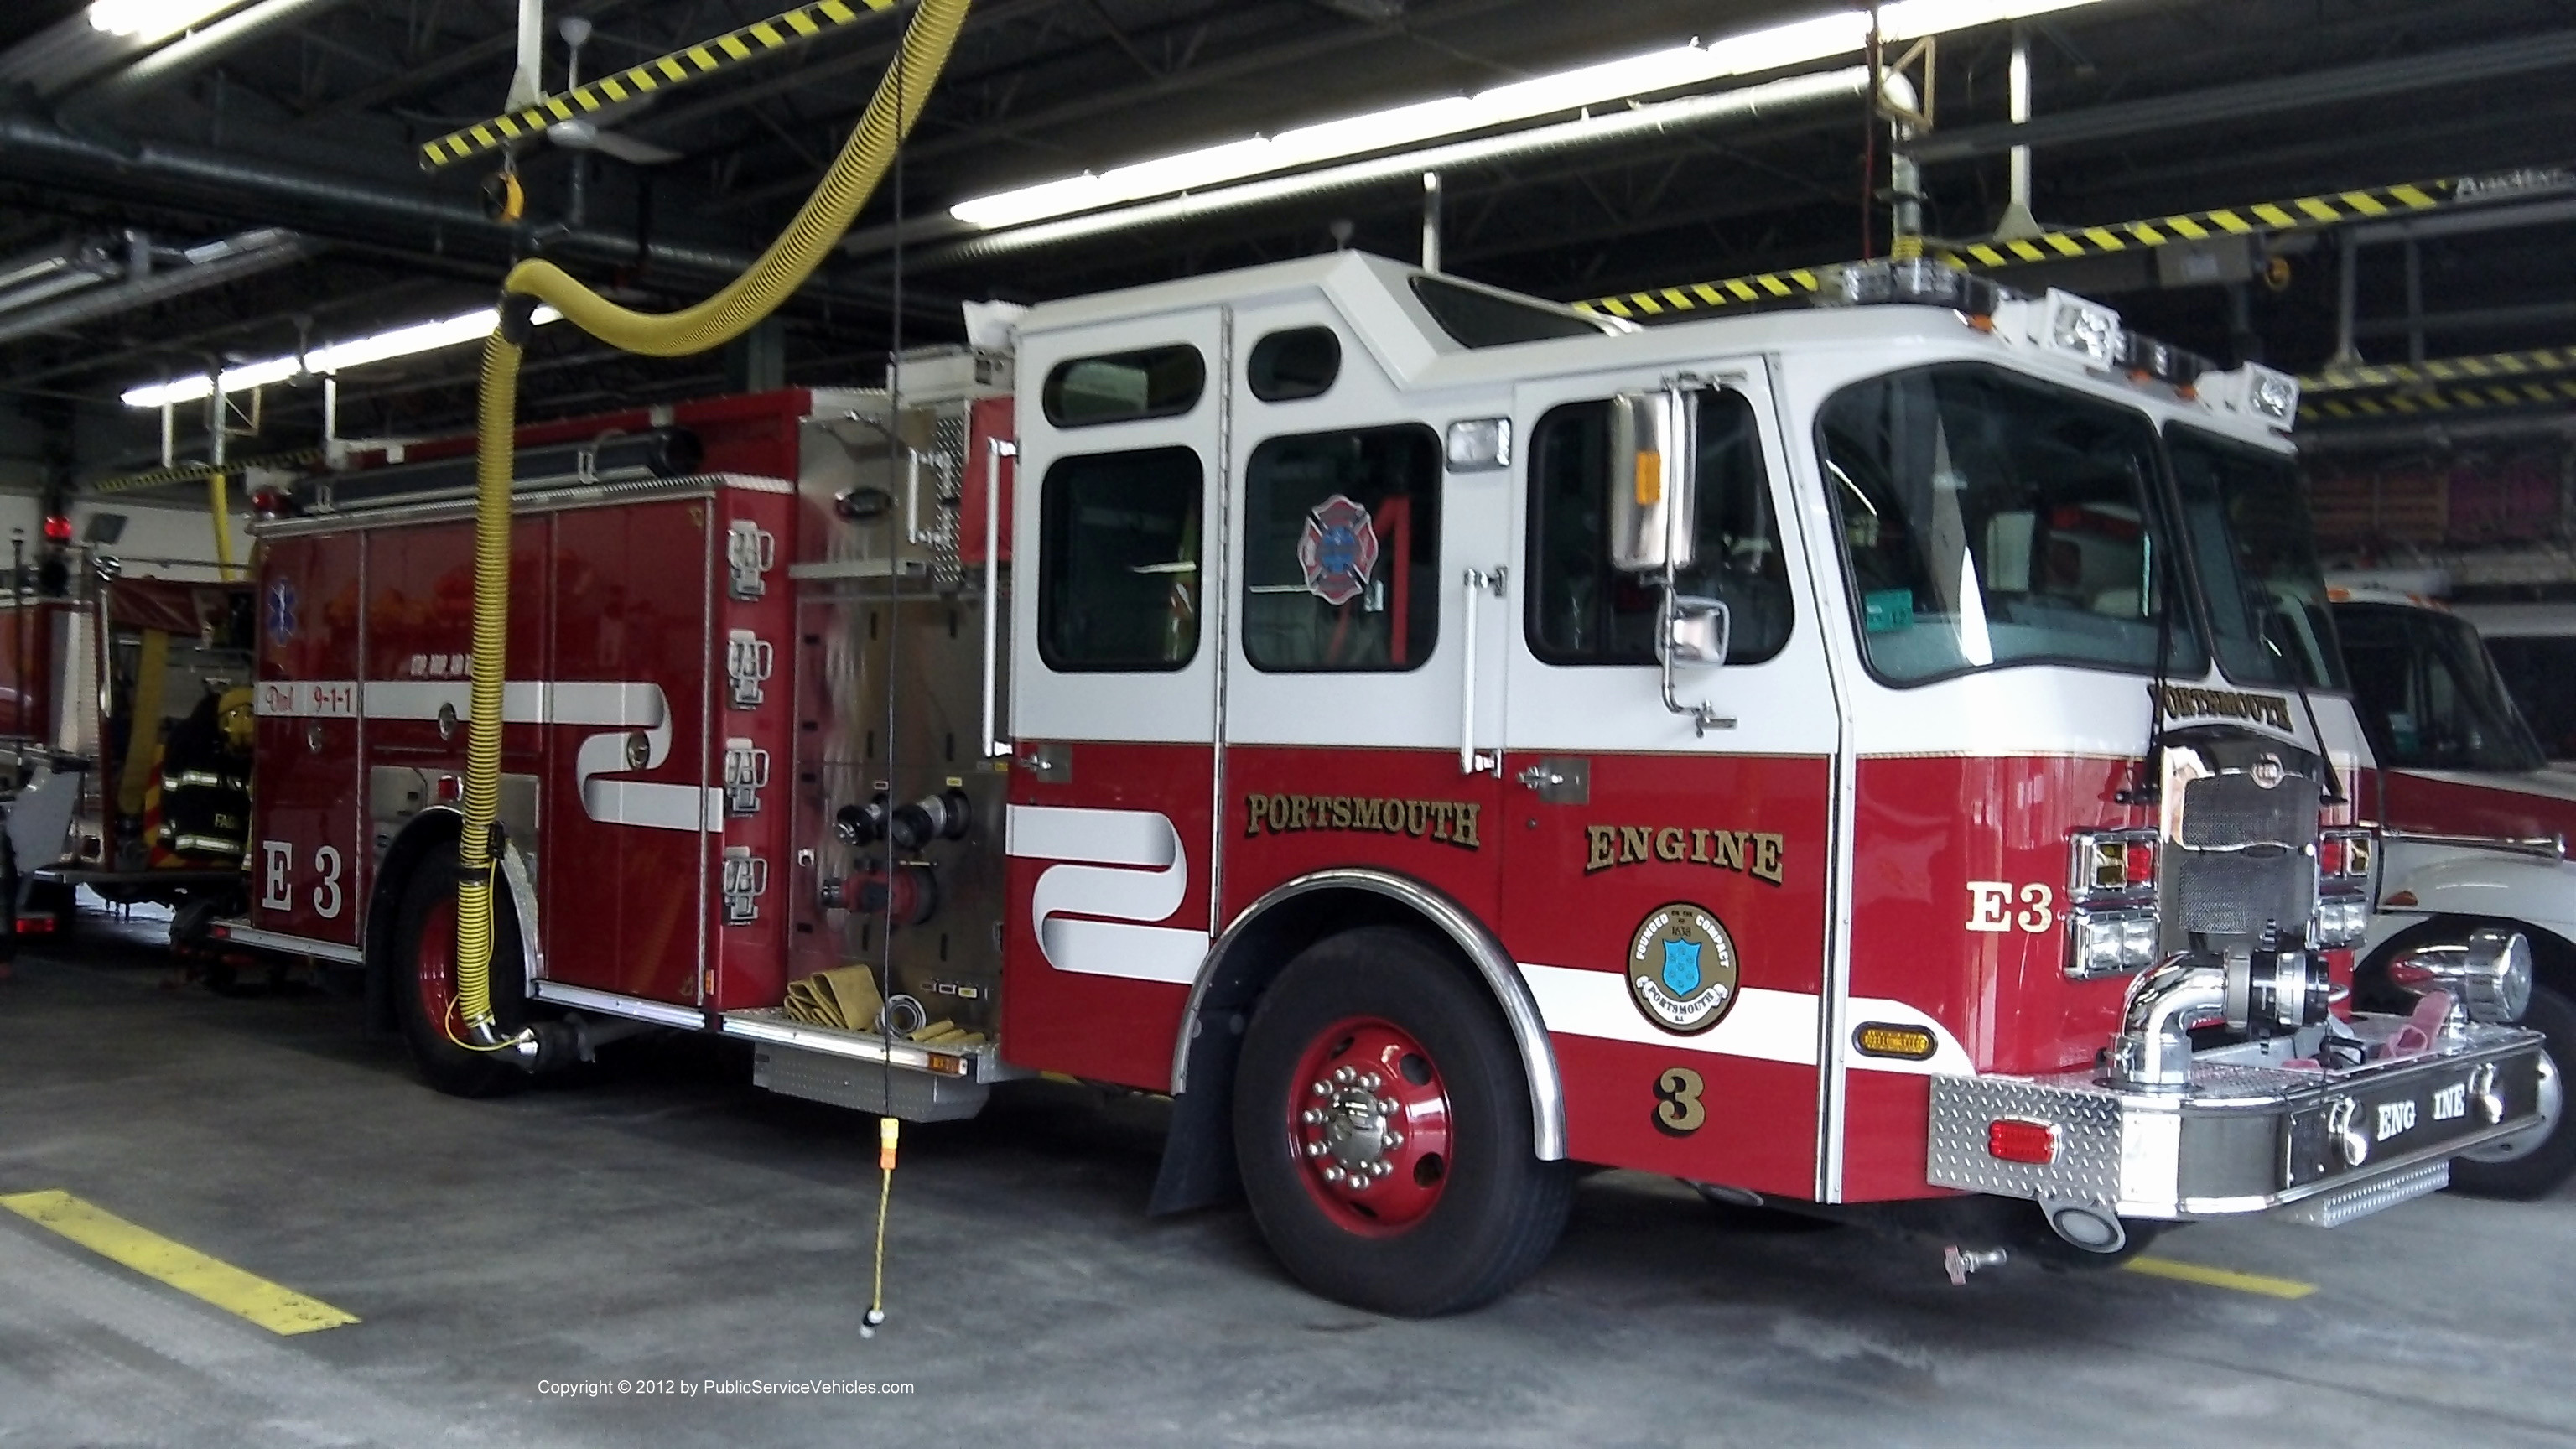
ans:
(2247, 1135)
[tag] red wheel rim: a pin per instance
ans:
(1368, 1125)
(434, 965)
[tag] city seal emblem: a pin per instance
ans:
(1682, 969)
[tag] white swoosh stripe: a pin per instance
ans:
(606, 704)
(1766, 1025)
(1105, 849)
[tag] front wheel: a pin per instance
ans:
(1382, 1124)
(424, 967)
(2536, 1162)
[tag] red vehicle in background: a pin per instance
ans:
(2476, 829)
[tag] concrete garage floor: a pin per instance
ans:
(661, 1219)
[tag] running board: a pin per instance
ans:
(867, 1072)
(981, 1062)
(610, 1003)
(238, 934)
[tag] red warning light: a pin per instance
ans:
(58, 528)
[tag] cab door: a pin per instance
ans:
(1362, 552)
(1666, 881)
(1114, 665)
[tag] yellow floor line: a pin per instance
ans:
(277, 1309)
(2209, 1277)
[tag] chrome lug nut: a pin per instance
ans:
(1322, 1091)
(1371, 1082)
(1314, 1149)
(1389, 1106)
(1343, 1075)
(1311, 1116)
(1332, 1174)
(1394, 1140)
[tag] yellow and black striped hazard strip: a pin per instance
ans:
(2325, 209)
(200, 472)
(2428, 401)
(2329, 209)
(2488, 368)
(1702, 296)
(697, 62)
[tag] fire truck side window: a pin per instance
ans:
(1294, 363)
(1989, 520)
(1120, 387)
(1118, 561)
(1341, 550)
(1583, 611)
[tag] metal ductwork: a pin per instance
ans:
(333, 206)
(147, 281)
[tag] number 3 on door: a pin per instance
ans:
(1678, 1112)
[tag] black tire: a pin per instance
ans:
(1494, 1209)
(2539, 1167)
(424, 929)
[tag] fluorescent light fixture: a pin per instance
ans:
(336, 357)
(1766, 99)
(151, 20)
(1800, 42)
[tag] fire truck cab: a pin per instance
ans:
(2476, 824)
(1886, 754)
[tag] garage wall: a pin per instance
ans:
(183, 535)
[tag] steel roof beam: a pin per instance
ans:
(2468, 65)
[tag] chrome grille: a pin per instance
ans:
(2223, 812)
(2243, 860)
(2235, 894)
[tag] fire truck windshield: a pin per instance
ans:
(2248, 519)
(1988, 519)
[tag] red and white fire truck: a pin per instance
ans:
(2476, 829)
(104, 665)
(1888, 754)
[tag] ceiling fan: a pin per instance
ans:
(592, 131)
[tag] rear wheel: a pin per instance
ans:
(424, 966)
(2533, 1163)
(1382, 1124)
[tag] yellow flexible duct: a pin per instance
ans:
(818, 226)
(219, 503)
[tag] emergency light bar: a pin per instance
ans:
(1926, 281)
(2258, 390)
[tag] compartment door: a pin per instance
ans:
(307, 858)
(1114, 660)
(1666, 886)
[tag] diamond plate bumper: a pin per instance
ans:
(2249, 1135)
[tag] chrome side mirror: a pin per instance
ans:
(1653, 483)
(1695, 631)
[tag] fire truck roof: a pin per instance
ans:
(1431, 331)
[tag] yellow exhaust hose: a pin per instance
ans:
(818, 226)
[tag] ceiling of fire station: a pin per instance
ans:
(312, 124)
